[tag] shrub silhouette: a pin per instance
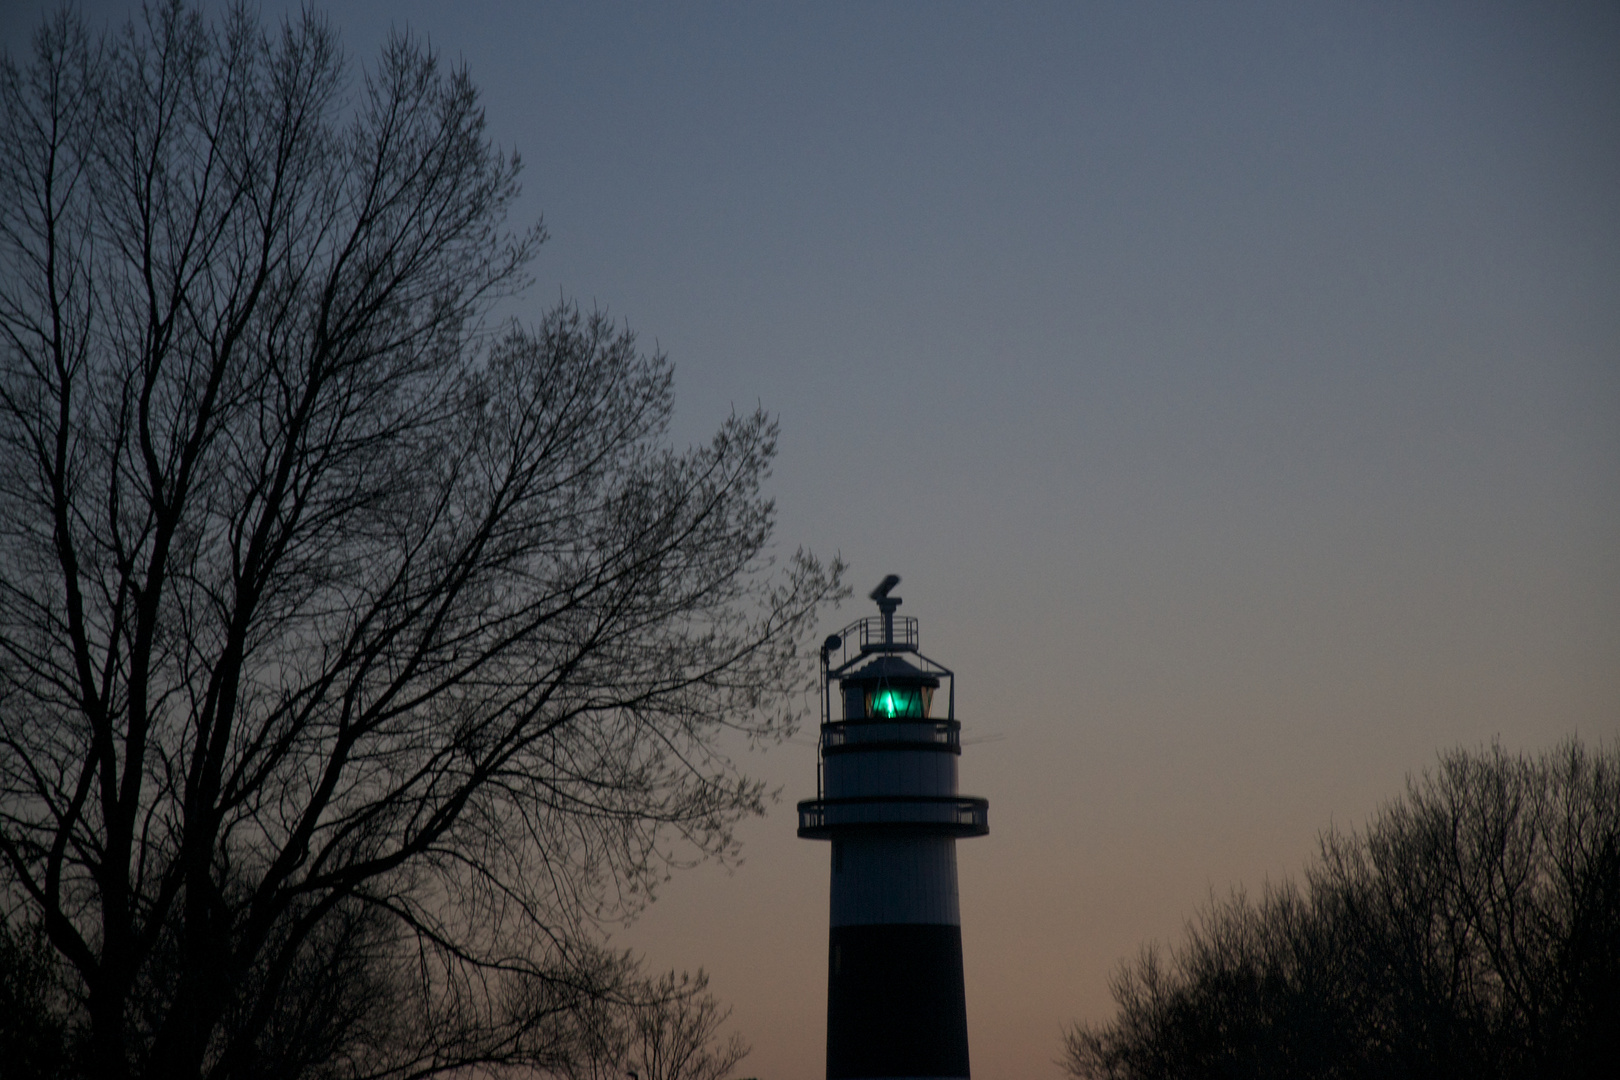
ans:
(1471, 930)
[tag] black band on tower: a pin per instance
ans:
(895, 1005)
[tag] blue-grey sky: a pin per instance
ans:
(1236, 388)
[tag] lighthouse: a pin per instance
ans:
(886, 797)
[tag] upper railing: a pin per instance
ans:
(841, 733)
(940, 815)
(871, 634)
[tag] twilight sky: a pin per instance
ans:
(1236, 388)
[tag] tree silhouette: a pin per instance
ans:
(352, 660)
(33, 1037)
(668, 1030)
(1472, 931)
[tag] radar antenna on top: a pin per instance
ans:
(887, 604)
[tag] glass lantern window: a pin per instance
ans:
(892, 702)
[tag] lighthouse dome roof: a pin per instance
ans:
(891, 670)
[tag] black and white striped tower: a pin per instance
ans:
(886, 798)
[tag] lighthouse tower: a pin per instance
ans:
(886, 798)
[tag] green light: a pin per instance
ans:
(895, 703)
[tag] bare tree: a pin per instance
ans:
(33, 1042)
(674, 1036)
(1472, 930)
(668, 1029)
(351, 662)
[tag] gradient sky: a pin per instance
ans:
(1235, 386)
